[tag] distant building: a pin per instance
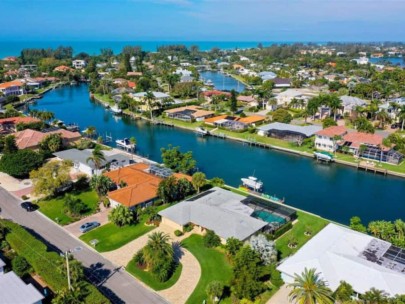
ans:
(281, 82)
(62, 69)
(79, 64)
(361, 60)
(14, 290)
(267, 75)
(326, 139)
(341, 254)
(350, 103)
(9, 125)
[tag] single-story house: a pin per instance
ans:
(30, 139)
(252, 120)
(217, 209)
(281, 82)
(285, 98)
(62, 69)
(326, 139)
(250, 100)
(288, 132)
(189, 113)
(159, 98)
(79, 158)
(267, 75)
(373, 147)
(14, 290)
(9, 125)
(350, 103)
(211, 93)
(341, 254)
(141, 189)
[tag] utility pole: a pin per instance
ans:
(68, 270)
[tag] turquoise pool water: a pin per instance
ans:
(268, 217)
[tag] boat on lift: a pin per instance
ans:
(201, 131)
(115, 110)
(252, 183)
(323, 156)
(125, 144)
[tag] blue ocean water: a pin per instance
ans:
(13, 48)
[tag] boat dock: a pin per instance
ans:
(162, 123)
(125, 144)
(371, 166)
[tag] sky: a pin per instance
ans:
(203, 20)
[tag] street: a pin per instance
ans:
(113, 282)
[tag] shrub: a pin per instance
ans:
(211, 239)
(265, 248)
(20, 266)
(122, 216)
(106, 202)
(19, 164)
(139, 259)
(178, 233)
(24, 197)
(82, 183)
(275, 276)
(74, 206)
(188, 227)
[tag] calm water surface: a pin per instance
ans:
(332, 191)
(222, 81)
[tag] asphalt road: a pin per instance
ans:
(115, 283)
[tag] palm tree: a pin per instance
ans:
(150, 102)
(334, 104)
(309, 288)
(97, 157)
(402, 117)
(101, 184)
(375, 296)
(383, 117)
(157, 248)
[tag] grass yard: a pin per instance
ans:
(111, 237)
(150, 280)
(214, 266)
(54, 208)
(304, 220)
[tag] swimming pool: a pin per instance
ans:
(268, 217)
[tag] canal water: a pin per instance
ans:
(222, 81)
(333, 191)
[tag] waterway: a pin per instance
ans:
(398, 61)
(222, 81)
(333, 191)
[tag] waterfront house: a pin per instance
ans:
(326, 139)
(31, 139)
(341, 254)
(159, 98)
(9, 125)
(113, 160)
(79, 64)
(14, 290)
(288, 132)
(15, 87)
(208, 95)
(189, 113)
(369, 146)
(217, 209)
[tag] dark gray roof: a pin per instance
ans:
(218, 210)
(306, 130)
(14, 290)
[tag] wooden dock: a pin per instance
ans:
(370, 166)
(162, 123)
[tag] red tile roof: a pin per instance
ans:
(332, 131)
(14, 83)
(215, 92)
(19, 119)
(359, 138)
(30, 139)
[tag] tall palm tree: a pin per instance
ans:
(334, 104)
(383, 117)
(150, 102)
(375, 296)
(97, 157)
(309, 288)
(402, 117)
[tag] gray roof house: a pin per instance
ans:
(349, 103)
(219, 210)
(14, 290)
(287, 131)
(79, 159)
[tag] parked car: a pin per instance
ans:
(88, 226)
(28, 206)
(396, 125)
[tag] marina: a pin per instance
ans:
(340, 191)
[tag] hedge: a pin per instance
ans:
(44, 262)
(280, 231)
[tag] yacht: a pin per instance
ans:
(252, 183)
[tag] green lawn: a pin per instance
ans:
(214, 267)
(54, 208)
(104, 98)
(150, 280)
(304, 220)
(111, 237)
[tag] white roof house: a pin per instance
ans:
(349, 103)
(14, 291)
(158, 95)
(218, 210)
(342, 254)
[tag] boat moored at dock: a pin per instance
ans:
(201, 131)
(323, 156)
(125, 144)
(252, 183)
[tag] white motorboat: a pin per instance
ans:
(115, 110)
(252, 183)
(202, 131)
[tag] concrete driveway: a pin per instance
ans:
(101, 217)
